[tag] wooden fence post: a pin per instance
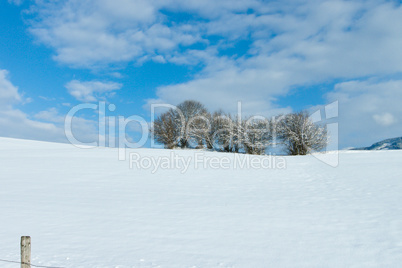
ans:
(25, 252)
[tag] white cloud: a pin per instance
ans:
(51, 115)
(292, 43)
(47, 98)
(325, 36)
(15, 123)
(16, 2)
(254, 88)
(8, 92)
(46, 125)
(385, 119)
(316, 42)
(93, 33)
(368, 111)
(91, 91)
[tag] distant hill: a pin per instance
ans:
(389, 144)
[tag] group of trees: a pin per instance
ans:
(190, 125)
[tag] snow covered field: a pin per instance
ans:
(84, 208)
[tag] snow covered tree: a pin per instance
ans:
(228, 132)
(193, 123)
(223, 135)
(300, 135)
(198, 128)
(257, 135)
(165, 129)
(180, 126)
(215, 123)
(237, 136)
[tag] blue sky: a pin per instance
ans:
(273, 56)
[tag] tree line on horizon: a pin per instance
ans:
(191, 125)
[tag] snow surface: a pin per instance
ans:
(84, 208)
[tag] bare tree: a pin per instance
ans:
(257, 135)
(198, 129)
(212, 126)
(227, 132)
(300, 135)
(180, 126)
(192, 125)
(165, 129)
(222, 134)
(237, 137)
